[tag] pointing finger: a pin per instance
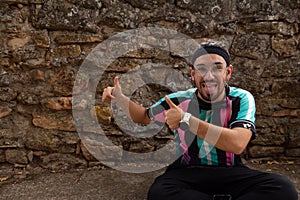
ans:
(170, 102)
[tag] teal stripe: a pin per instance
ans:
(202, 152)
(247, 107)
(186, 94)
(214, 155)
(203, 115)
(178, 147)
(209, 118)
(212, 150)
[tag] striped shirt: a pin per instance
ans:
(236, 110)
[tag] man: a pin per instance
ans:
(212, 124)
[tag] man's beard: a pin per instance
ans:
(208, 97)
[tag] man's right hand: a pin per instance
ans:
(112, 93)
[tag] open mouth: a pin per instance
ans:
(209, 87)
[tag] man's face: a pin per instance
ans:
(210, 75)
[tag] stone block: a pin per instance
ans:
(58, 103)
(66, 51)
(16, 43)
(273, 27)
(252, 46)
(28, 98)
(55, 15)
(268, 138)
(51, 140)
(293, 152)
(292, 103)
(86, 154)
(41, 38)
(295, 121)
(286, 89)
(141, 147)
(295, 113)
(266, 151)
(58, 161)
(2, 156)
(10, 79)
(285, 47)
(62, 82)
(59, 120)
(4, 111)
(103, 152)
(10, 138)
(16, 156)
(103, 113)
(284, 68)
(64, 37)
(7, 93)
(294, 135)
(281, 113)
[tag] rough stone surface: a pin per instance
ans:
(43, 44)
(101, 183)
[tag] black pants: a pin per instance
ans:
(201, 183)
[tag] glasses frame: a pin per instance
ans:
(216, 69)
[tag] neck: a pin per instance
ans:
(220, 97)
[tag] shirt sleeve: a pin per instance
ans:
(157, 111)
(246, 114)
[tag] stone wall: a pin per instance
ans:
(44, 42)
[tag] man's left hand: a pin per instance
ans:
(173, 115)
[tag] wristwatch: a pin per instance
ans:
(184, 124)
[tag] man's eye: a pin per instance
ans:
(202, 69)
(220, 67)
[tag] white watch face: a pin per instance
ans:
(184, 123)
(186, 118)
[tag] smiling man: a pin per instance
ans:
(212, 123)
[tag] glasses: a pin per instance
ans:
(216, 69)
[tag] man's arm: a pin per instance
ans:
(136, 112)
(231, 140)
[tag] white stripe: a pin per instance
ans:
(207, 151)
(251, 106)
(205, 144)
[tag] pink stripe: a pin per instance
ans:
(184, 105)
(186, 157)
(225, 114)
(161, 117)
(229, 159)
(184, 146)
(225, 117)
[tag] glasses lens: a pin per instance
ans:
(214, 69)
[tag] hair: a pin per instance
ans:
(211, 47)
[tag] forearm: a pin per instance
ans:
(231, 140)
(136, 112)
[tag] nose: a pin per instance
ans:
(209, 75)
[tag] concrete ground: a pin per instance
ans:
(101, 183)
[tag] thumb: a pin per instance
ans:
(117, 88)
(170, 102)
(116, 81)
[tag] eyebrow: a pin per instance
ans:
(216, 63)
